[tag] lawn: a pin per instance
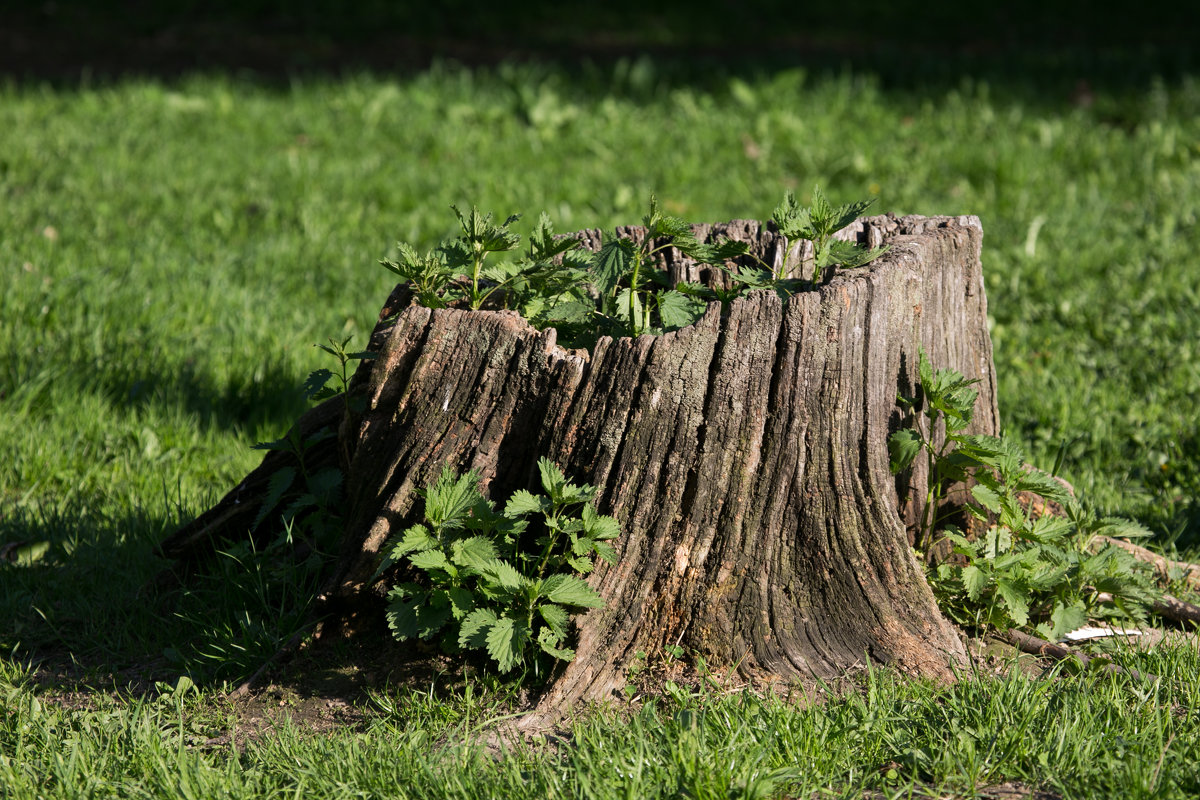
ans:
(173, 247)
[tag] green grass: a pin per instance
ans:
(1085, 735)
(171, 250)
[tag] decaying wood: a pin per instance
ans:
(1167, 607)
(745, 457)
(1163, 566)
(1032, 645)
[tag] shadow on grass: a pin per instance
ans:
(1055, 52)
(86, 599)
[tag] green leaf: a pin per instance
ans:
(571, 591)
(279, 482)
(1015, 599)
(475, 552)
(606, 551)
(599, 526)
(1065, 618)
(502, 574)
(449, 498)
(431, 560)
(415, 539)
(610, 264)
(506, 642)
(473, 630)
(316, 381)
(848, 213)
(986, 497)
(975, 581)
(677, 310)
(523, 502)
(553, 480)
(462, 601)
(548, 641)
(903, 447)
(418, 617)
(556, 617)
(581, 564)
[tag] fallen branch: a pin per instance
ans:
(1168, 607)
(1162, 565)
(1027, 643)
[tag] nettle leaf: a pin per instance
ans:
(581, 564)
(417, 618)
(502, 574)
(569, 590)
(611, 263)
(606, 551)
(473, 630)
(549, 642)
(974, 580)
(848, 213)
(903, 447)
(461, 601)
(432, 560)
(316, 381)
(543, 245)
(506, 642)
(415, 539)
(677, 310)
(475, 552)
(523, 502)
(599, 526)
(1065, 618)
(449, 499)
(280, 481)
(986, 497)
(553, 479)
(556, 617)
(1015, 599)
(793, 220)
(1120, 528)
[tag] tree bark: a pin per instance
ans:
(745, 457)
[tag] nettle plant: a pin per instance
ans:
(503, 581)
(1044, 573)
(621, 289)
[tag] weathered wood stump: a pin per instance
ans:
(745, 457)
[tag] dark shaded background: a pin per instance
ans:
(1069, 44)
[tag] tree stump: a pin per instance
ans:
(745, 457)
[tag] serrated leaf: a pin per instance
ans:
(523, 502)
(462, 601)
(606, 551)
(316, 381)
(506, 642)
(473, 630)
(430, 560)
(449, 498)
(548, 641)
(848, 213)
(610, 264)
(556, 617)
(553, 480)
(475, 552)
(581, 564)
(903, 447)
(401, 616)
(975, 581)
(415, 539)
(677, 310)
(986, 497)
(502, 574)
(1015, 599)
(571, 591)
(599, 526)
(279, 482)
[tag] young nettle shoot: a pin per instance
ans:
(637, 296)
(817, 224)
(499, 581)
